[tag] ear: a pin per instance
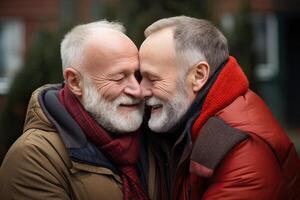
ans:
(200, 74)
(74, 81)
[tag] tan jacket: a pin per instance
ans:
(38, 166)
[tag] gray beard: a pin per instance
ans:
(172, 111)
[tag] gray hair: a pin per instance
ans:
(72, 44)
(195, 40)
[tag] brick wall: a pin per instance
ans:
(35, 14)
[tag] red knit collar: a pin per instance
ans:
(230, 84)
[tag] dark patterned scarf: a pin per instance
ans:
(123, 151)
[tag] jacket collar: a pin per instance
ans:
(230, 83)
(74, 139)
(72, 136)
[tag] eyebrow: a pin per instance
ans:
(123, 71)
(150, 74)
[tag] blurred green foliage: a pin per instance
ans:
(136, 15)
(42, 65)
(240, 41)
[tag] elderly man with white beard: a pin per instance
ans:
(81, 139)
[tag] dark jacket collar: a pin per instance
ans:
(79, 147)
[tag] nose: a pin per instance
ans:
(133, 88)
(145, 87)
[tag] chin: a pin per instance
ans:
(127, 129)
(155, 127)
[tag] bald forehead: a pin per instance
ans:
(110, 43)
(159, 45)
(106, 50)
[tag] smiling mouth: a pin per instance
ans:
(155, 108)
(130, 106)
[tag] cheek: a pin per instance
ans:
(164, 91)
(110, 90)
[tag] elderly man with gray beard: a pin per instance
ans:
(80, 139)
(211, 136)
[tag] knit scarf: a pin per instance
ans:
(230, 84)
(123, 151)
(224, 86)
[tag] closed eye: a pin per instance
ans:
(154, 79)
(118, 78)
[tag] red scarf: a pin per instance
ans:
(122, 151)
(230, 84)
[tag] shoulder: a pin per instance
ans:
(35, 146)
(243, 163)
(251, 115)
(253, 158)
(215, 140)
(250, 170)
(34, 168)
(219, 144)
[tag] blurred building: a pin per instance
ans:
(276, 49)
(20, 22)
(275, 46)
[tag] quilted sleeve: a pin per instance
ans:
(32, 170)
(249, 171)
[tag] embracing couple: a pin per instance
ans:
(174, 119)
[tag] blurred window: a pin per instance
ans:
(11, 51)
(266, 46)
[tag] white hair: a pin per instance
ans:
(72, 44)
(162, 24)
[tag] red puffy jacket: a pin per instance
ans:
(247, 154)
(238, 149)
(263, 166)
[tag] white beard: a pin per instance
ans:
(172, 111)
(106, 113)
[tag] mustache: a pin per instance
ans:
(153, 101)
(127, 100)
